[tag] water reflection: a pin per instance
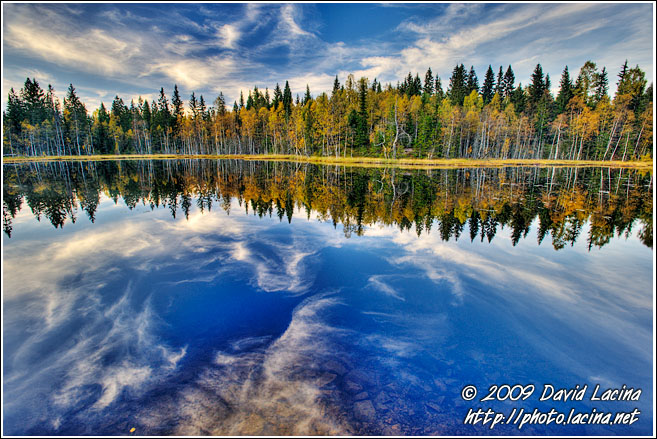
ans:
(475, 202)
(195, 318)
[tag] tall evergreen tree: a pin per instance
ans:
(473, 82)
(488, 89)
(193, 105)
(75, 119)
(220, 104)
(307, 97)
(518, 98)
(361, 138)
(439, 89)
(428, 82)
(601, 85)
(509, 79)
(287, 100)
(537, 87)
(565, 91)
(202, 109)
(278, 97)
(457, 85)
(336, 86)
(178, 109)
(15, 111)
(33, 99)
(499, 87)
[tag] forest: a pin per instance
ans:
(414, 118)
(470, 203)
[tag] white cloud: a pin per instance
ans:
(229, 35)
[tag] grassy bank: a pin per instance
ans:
(405, 163)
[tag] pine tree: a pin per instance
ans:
(278, 97)
(584, 86)
(428, 83)
(307, 98)
(249, 101)
(75, 119)
(178, 110)
(193, 105)
(145, 113)
(487, 91)
(362, 138)
(537, 86)
(457, 85)
(336, 86)
(163, 115)
(565, 91)
(509, 79)
(417, 85)
(499, 87)
(518, 98)
(33, 99)
(267, 100)
(622, 74)
(220, 104)
(473, 82)
(202, 108)
(439, 90)
(287, 101)
(15, 111)
(601, 86)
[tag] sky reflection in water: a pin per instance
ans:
(235, 324)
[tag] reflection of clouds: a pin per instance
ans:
(89, 357)
(603, 294)
(83, 339)
(282, 272)
(378, 283)
(500, 270)
(257, 389)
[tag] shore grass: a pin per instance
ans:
(404, 163)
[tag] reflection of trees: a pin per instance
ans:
(449, 202)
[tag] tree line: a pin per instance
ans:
(414, 118)
(473, 203)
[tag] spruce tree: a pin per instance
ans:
(193, 105)
(487, 91)
(601, 85)
(457, 85)
(518, 98)
(565, 91)
(473, 82)
(428, 82)
(287, 101)
(177, 108)
(499, 87)
(15, 111)
(34, 104)
(307, 98)
(509, 79)
(417, 85)
(537, 86)
(336, 86)
(278, 96)
(362, 138)
(220, 104)
(439, 89)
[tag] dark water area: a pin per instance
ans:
(260, 298)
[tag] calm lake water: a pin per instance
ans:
(229, 297)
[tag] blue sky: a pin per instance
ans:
(133, 49)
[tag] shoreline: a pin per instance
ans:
(404, 163)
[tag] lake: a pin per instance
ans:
(198, 297)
